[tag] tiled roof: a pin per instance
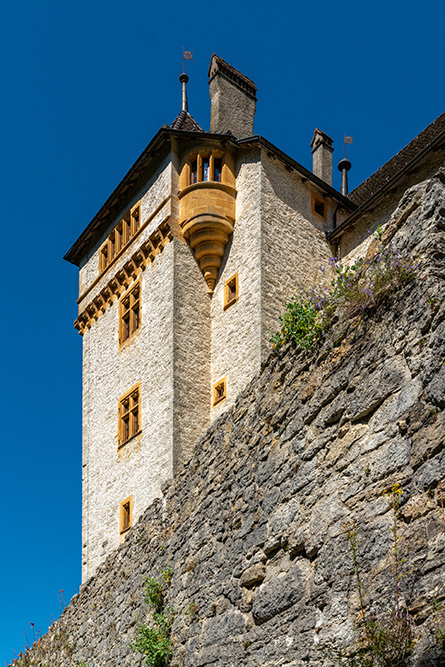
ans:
(184, 121)
(374, 183)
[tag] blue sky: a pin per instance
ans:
(85, 85)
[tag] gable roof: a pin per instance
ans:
(380, 178)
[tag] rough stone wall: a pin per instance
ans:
(355, 243)
(140, 466)
(252, 525)
(232, 110)
(294, 246)
(235, 346)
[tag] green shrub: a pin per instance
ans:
(153, 640)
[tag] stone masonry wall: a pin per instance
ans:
(191, 349)
(252, 525)
(293, 245)
(235, 345)
(137, 469)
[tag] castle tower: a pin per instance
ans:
(182, 275)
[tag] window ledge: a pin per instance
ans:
(129, 439)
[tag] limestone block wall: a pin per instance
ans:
(191, 346)
(253, 524)
(140, 466)
(294, 247)
(235, 343)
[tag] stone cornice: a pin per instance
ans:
(121, 279)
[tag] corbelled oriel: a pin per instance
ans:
(207, 199)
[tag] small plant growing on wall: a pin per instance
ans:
(356, 289)
(154, 638)
(378, 642)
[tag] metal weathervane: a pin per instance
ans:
(348, 140)
(186, 55)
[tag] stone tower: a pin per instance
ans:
(183, 273)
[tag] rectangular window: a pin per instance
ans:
(205, 169)
(231, 291)
(218, 169)
(194, 172)
(120, 236)
(219, 391)
(104, 257)
(129, 312)
(126, 227)
(135, 216)
(125, 514)
(112, 246)
(318, 206)
(129, 415)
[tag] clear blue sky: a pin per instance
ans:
(85, 85)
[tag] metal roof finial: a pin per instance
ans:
(184, 104)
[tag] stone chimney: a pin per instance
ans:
(233, 99)
(322, 151)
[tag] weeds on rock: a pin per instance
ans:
(357, 289)
(387, 641)
(153, 640)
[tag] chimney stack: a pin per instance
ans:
(322, 151)
(233, 99)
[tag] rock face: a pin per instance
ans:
(253, 525)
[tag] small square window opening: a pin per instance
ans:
(318, 206)
(219, 391)
(125, 515)
(231, 291)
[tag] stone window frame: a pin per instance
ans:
(125, 515)
(219, 391)
(126, 333)
(230, 296)
(198, 157)
(129, 405)
(120, 237)
(317, 203)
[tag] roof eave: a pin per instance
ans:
(338, 231)
(305, 173)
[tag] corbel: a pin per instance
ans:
(130, 268)
(99, 303)
(121, 277)
(138, 258)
